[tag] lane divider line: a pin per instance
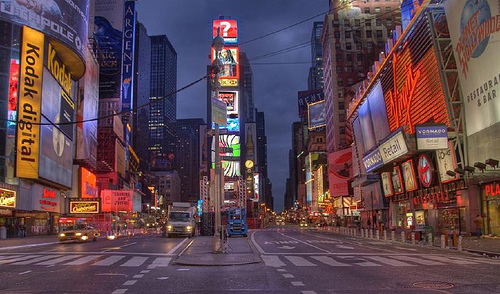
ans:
(171, 252)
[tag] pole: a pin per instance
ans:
(371, 214)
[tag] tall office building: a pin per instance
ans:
(188, 157)
(315, 79)
(246, 90)
(354, 34)
(163, 110)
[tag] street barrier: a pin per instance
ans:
(377, 234)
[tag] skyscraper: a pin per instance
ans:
(315, 79)
(163, 110)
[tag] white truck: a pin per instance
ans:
(181, 220)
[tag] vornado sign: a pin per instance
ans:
(394, 147)
(30, 98)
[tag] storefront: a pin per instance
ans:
(490, 207)
(7, 205)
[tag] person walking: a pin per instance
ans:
(479, 225)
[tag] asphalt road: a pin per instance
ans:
(294, 260)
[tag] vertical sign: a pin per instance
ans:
(128, 55)
(30, 98)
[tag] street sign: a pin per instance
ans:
(225, 149)
(211, 133)
(219, 112)
(229, 158)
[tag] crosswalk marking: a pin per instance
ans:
(299, 261)
(272, 261)
(449, 260)
(57, 260)
(160, 262)
(83, 260)
(329, 261)
(362, 261)
(110, 260)
(135, 261)
(416, 260)
(388, 261)
(8, 256)
(35, 260)
(17, 259)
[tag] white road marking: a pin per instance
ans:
(298, 284)
(417, 260)
(162, 278)
(308, 292)
(35, 260)
(8, 256)
(129, 282)
(145, 271)
(299, 261)
(388, 261)
(281, 270)
(449, 260)
(135, 261)
(272, 260)
(252, 238)
(17, 259)
(321, 249)
(160, 262)
(111, 274)
(288, 276)
(109, 261)
(177, 246)
(119, 291)
(57, 260)
(344, 247)
(363, 263)
(183, 269)
(26, 272)
(329, 261)
(402, 248)
(83, 260)
(137, 276)
(27, 246)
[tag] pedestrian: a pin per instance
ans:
(479, 226)
(22, 230)
(369, 223)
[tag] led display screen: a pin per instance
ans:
(229, 153)
(228, 30)
(317, 115)
(229, 60)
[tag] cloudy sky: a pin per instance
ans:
(188, 25)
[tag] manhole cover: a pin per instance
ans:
(436, 285)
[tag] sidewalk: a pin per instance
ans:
(199, 253)
(31, 241)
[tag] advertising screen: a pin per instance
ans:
(409, 177)
(378, 113)
(230, 153)
(475, 35)
(10, 143)
(108, 34)
(339, 172)
(88, 182)
(397, 182)
(128, 55)
(317, 115)
(231, 99)
(387, 184)
(116, 200)
(67, 21)
(366, 124)
(228, 30)
(308, 97)
(256, 187)
(229, 58)
(7, 198)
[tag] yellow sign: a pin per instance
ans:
(228, 82)
(30, 98)
(58, 69)
(84, 207)
(7, 198)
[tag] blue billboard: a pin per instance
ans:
(128, 55)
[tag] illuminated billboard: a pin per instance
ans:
(7, 198)
(409, 177)
(83, 207)
(256, 187)
(387, 187)
(30, 101)
(228, 30)
(475, 34)
(317, 115)
(116, 200)
(339, 172)
(308, 97)
(88, 182)
(231, 99)
(229, 73)
(230, 153)
(128, 55)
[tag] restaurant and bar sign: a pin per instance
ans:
(83, 207)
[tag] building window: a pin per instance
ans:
(378, 22)
(340, 82)
(335, 23)
(369, 45)
(368, 22)
(377, 9)
(338, 57)
(337, 45)
(341, 117)
(337, 34)
(347, 35)
(389, 22)
(339, 69)
(341, 105)
(367, 10)
(379, 33)
(368, 34)
(348, 46)
(342, 130)
(359, 46)
(387, 9)
(350, 81)
(357, 22)
(346, 22)
(358, 34)
(348, 69)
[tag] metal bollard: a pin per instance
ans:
(430, 239)
(362, 233)
(413, 238)
(385, 235)
(443, 242)
(459, 246)
(371, 234)
(366, 233)
(403, 237)
(377, 235)
(393, 236)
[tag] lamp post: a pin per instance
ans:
(217, 242)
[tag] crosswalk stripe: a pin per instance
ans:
(57, 260)
(329, 261)
(449, 260)
(8, 256)
(35, 260)
(109, 261)
(416, 260)
(482, 260)
(83, 260)
(17, 259)
(160, 262)
(135, 261)
(272, 260)
(362, 263)
(388, 261)
(299, 261)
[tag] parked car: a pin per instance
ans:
(79, 233)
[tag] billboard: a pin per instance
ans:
(83, 207)
(108, 34)
(410, 179)
(120, 158)
(116, 200)
(397, 182)
(256, 187)
(339, 172)
(87, 106)
(46, 199)
(387, 187)
(10, 144)
(7, 198)
(162, 162)
(128, 55)
(475, 35)
(88, 184)
(251, 141)
(66, 21)
(308, 97)
(229, 73)
(446, 162)
(317, 115)
(431, 137)
(230, 154)
(231, 99)
(228, 30)
(30, 98)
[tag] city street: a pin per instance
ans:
(293, 260)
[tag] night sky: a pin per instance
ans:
(188, 25)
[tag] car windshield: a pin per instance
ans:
(179, 216)
(74, 227)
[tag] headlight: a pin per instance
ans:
(169, 228)
(78, 234)
(111, 237)
(62, 235)
(84, 238)
(188, 228)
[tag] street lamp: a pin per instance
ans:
(217, 242)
